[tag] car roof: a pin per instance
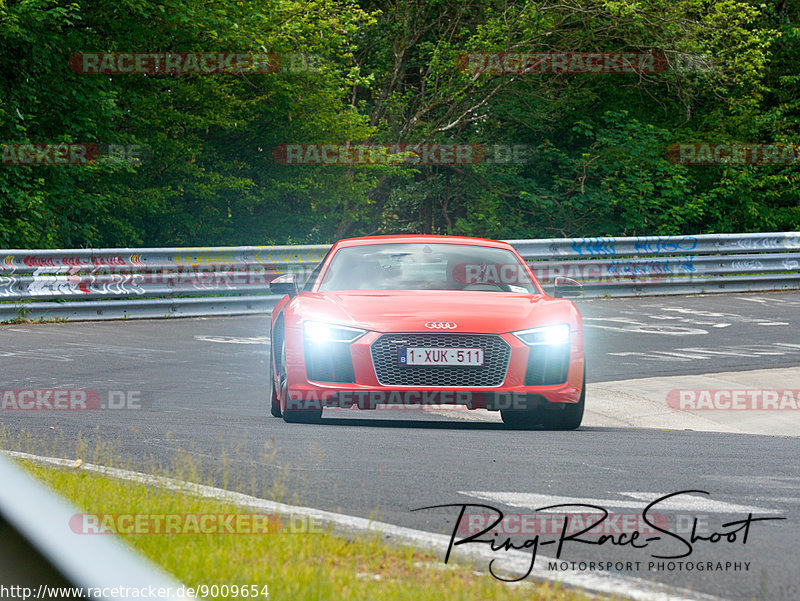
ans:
(420, 238)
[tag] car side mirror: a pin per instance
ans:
(567, 288)
(284, 284)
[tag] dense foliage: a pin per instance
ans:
(392, 71)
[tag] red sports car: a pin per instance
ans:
(414, 320)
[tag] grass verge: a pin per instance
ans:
(292, 565)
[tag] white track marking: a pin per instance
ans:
(769, 299)
(234, 339)
(115, 348)
(637, 327)
(691, 353)
(681, 503)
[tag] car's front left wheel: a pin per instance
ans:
(568, 417)
(563, 417)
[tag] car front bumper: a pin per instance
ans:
(363, 389)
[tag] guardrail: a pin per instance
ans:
(121, 283)
(42, 555)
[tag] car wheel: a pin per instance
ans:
(302, 416)
(564, 417)
(275, 406)
(275, 403)
(568, 417)
(520, 418)
(294, 416)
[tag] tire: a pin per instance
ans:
(569, 417)
(275, 403)
(275, 406)
(294, 416)
(566, 417)
(306, 416)
(300, 416)
(520, 418)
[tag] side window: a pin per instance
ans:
(315, 274)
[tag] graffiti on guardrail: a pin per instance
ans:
(594, 246)
(652, 268)
(34, 261)
(664, 244)
(7, 286)
(615, 270)
(129, 280)
(172, 281)
(195, 260)
(12, 263)
(750, 265)
(651, 245)
(279, 260)
(789, 241)
(46, 281)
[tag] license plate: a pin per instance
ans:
(414, 355)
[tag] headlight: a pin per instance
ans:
(550, 335)
(317, 331)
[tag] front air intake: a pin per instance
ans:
(329, 362)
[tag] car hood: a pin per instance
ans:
(409, 311)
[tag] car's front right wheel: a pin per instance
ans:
(293, 416)
(275, 405)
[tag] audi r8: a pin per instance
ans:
(409, 321)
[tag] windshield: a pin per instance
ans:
(426, 266)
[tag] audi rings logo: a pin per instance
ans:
(441, 325)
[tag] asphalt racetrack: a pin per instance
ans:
(202, 389)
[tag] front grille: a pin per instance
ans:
(496, 355)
